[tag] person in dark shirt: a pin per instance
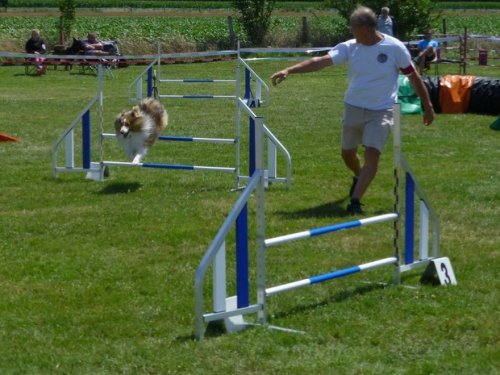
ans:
(92, 46)
(36, 45)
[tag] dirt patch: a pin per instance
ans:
(11, 45)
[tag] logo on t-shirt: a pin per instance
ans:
(382, 58)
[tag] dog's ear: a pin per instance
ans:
(121, 118)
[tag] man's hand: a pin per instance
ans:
(428, 115)
(279, 76)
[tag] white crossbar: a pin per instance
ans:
(332, 228)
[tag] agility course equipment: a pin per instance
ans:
(247, 88)
(229, 311)
(7, 138)
(67, 138)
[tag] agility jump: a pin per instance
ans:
(230, 311)
(249, 91)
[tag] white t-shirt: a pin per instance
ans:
(384, 25)
(373, 71)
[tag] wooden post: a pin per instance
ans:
(232, 35)
(304, 36)
(61, 31)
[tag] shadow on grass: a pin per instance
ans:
(331, 209)
(339, 297)
(213, 329)
(120, 188)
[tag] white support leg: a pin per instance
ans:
(138, 90)
(271, 159)
(69, 149)
(219, 280)
(96, 172)
(424, 231)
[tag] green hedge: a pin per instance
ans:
(221, 4)
(193, 4)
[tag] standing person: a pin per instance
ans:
(386, 23)
(36, 45)
(374, 62)
(427, 51)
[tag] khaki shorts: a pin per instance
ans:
(366, 127)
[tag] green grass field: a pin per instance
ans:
(97, 277)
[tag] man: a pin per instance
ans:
(427, 51)
(374, 61)
(386, 23)
(92, 46)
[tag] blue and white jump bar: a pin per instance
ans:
(199, 80)
(197, 96)
(177, 138)
(332, 275)
(331, 228)
(169, 166)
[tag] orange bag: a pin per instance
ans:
(454, 93)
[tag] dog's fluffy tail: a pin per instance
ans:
(155, 110)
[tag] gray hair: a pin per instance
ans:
(363, 16)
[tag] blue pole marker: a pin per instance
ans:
(168, 166)
(251, 147)
(198, 96)
(331, 228)
(150, 83)
(175, 138)
(242, 283)
(247, 84)
(86, 140)
(330, 276)
(409, 219)
(178, 138)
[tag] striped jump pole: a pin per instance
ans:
(199, 80)
(180, 138)
(331, 275)
(196, 139)
(169, 166)
(173, 96)
(331, 228)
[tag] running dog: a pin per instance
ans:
(138, 129)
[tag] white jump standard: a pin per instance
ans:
(230, 310)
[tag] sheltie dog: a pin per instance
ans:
(138, 129)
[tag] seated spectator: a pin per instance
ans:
(92, 46)
(36, 45)
(427, 51)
